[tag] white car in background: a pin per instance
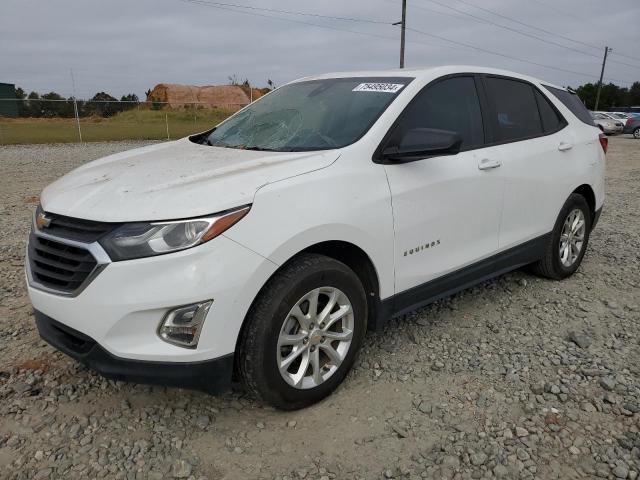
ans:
(622, 116)
(607, 123)
(264, 248)
(616, 116)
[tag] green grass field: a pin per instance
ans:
(130, 125)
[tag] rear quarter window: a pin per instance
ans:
(573, 103)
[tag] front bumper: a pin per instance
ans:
(211, 376)
(122, 307)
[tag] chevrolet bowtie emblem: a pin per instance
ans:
(42, 221)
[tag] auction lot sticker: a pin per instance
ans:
(379, 87)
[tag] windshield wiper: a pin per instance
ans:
(258, 149)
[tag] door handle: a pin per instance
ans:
(488, 164)
(564, 146)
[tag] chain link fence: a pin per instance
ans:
(64, 121)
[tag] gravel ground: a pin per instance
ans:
(519, 377)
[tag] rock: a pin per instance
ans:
(608, 383)
(521, 432)
(621, 471)
(581, 339)
(478, 458)
(522, 455)
(424, 407)
(451, 461)
(181, 469)
(631, 407)
(437, 366)
(500, 471)
(44, 473)
(402, 433)
(292, 423)
(537, 388)
(21, 387)
(574, 450)
(550, 388)
(202, 422)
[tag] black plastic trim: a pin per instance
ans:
(210, 376)
(596, 217)
(462, 279)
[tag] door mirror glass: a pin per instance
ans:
(420, 143)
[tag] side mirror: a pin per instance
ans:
(420, 143)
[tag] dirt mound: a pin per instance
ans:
(212, 95)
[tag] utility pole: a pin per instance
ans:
(403, 24)
(75, 105)
(604, 61)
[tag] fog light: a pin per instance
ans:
(182, 325)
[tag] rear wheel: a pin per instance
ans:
(636, 133)
(569, 240)
(303, 332)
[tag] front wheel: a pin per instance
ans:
(303, 332)
(569, 240)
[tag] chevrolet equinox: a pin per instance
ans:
(263, 249)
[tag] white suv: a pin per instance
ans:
(264, 248)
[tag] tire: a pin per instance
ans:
(636, 133)
(551, 265)
(272, 315)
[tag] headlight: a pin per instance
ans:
(145, 239)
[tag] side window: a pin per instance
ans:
(451, 104)
(515, 107)
(551, 119)
(573, 103)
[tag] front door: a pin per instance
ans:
(446, 209)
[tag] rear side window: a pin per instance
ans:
(552, 121)
(515, 109)
(573, 103)
(451, 104)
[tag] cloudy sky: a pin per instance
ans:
(125, 46)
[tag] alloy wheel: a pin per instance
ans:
(315, 337)
(572, 237)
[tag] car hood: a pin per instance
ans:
(173, 180)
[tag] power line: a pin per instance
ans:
(473, 47)
(289, 12)
(504, 55)
(205, 3)
(506, 17)
(526, 34)
(499, 25)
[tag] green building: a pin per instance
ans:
(7, 107)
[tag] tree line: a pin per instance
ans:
(612, 97)
(102, 104)
(53, 104)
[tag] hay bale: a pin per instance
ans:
(176, 95)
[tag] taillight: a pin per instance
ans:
(604, 142)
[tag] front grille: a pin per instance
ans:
(87, 231)
(57, 265)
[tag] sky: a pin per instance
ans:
(130, 46)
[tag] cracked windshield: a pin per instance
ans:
(311, 115)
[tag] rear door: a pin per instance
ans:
(538, 154)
